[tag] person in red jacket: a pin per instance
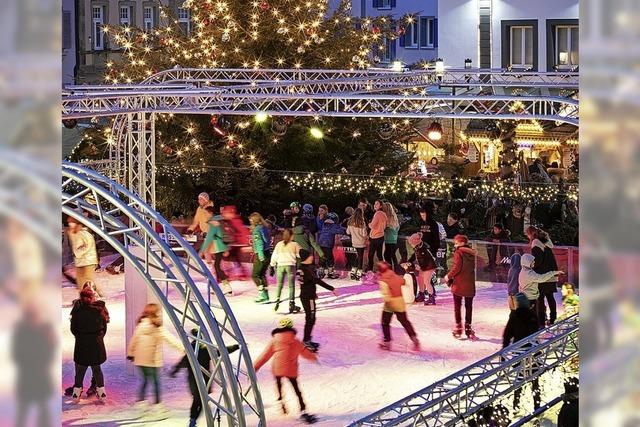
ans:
(462, 280)
(237, 235)
(286, 349)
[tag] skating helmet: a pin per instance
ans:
(333, 217)
(285, 322)
(307, 208)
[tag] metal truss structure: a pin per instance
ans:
(168, 266)
(450, 401)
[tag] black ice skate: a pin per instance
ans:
(469, 332)
(308, 418)
(431, 300)
(312, 346)
(293, 308)
(332, 274)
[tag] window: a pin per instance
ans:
(566, 46)
(427, 32)
(148, 18)
(125, 15)
(384, 4)
(96, 28)
(411, 35)
(387, 54)
(184, 19)
(521, 46)
(67, 30)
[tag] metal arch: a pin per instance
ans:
(235, 393)
(449, 401)
(28, 195)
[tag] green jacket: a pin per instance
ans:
(305, 240)
(260, 240)
(214, 238)
(391, 234)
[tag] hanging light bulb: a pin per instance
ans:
(261, 117)
(316, 132)
(434, 132)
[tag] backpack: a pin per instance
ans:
(228, 232)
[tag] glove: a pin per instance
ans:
(272, 271)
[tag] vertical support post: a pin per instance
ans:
(141, 144)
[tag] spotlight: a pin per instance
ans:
(434, 132)
(261, 117)
(316, 132)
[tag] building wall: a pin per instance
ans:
(459, 27)
(69, 42)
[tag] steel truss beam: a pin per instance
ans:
(450, 401)
(169, 266)
(206, 101)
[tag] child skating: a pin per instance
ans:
(286, 349)
(284, 260)
(427, 263)
(145, 350)
(308, 296)
(462, 280)
(327, 240)
(391, 288)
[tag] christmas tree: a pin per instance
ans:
(243, 160)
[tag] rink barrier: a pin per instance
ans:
(123, 220)
(452, 400)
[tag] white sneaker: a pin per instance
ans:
(101, 393)
(77, 392)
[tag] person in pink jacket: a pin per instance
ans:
(285, 350)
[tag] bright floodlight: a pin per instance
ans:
(396, 66)
(316, 132)
(261, 117)
(434, 132)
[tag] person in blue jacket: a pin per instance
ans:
(327, 239)
(512, 279)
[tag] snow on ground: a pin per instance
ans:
(353, 378)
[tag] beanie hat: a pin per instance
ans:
(333, 216)
(294, 205)
(285, 322)
(204, 196)
(522, 301)
(415, 239)
(307, 208)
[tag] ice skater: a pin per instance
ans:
(391, 288)
(357, 229)
(427, 266)
(286, 350)
(145, 350)
(462, 280)
(512, 279)
(261, 240)
(204, 359)
(214, 244)
(284, 260)
(308, 296)
(327, 240)
(528, 281)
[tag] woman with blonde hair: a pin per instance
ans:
(357, 229)
(261, 242)
(145, 350)
(284, 260)
(391, 235)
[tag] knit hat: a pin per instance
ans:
(333, 216)
(522, 301)
(527, 260)
(294, 205)
(285, 322)
(415, 239)
(307, 208)
(204, 196)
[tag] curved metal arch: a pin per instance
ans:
(181, 298)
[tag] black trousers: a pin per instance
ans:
(360, 258)
(81, 370)
(375, 248)
(329, 261)
(294, 383)
(390, 250)
(468, 309)
(402, 318)
(309, 306)
(542, 310)
(220, 276)
(196, 402)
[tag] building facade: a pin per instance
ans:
(69, 42)
(95, 50)
(540, 35)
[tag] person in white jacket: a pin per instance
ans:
(85, 254)
(528, 279)
(357, 229)
(285, 259)
(145, 350)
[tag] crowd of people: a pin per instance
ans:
(300, 248)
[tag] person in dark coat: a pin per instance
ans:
(514, 223)
(89, 320)
(426, 260)
(462, 280)
(569, 413)
(522, 323)
(429, 229)
(308, 281)
(452, 227)
(545, 261)
(498, 236)
(204, 359)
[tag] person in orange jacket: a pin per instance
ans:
(286, 349)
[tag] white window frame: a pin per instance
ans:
(522, 59)
(184, 17)
(557, 52)
(431, 22)
(386, 5)
(125, 18)
(97, 22)
(385, 56)
(414, 43)
(148, 18)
